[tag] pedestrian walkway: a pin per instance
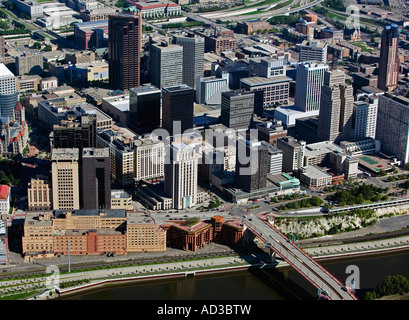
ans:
(9, 287)
(359, 247)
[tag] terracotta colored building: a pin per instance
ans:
(309, 17)
(181, 236)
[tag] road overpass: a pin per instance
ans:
(326, 283)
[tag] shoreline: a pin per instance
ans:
(221, 270)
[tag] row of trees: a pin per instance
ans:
(314, 201)
(359, 195)
(182, 25)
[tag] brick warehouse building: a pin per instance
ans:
(95, 232)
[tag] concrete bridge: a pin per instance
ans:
(328, 286)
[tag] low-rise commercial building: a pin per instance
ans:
(314, 177)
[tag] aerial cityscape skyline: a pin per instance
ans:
(163, 129)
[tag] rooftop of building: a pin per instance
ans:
(154, 3)
(105, 213)
(4, 192)
(120, 103)
(80, 232)
(319, 148)
(95, 153)
(259, 81)
(5, 72)
(313, 44)
(65, 154)
(178, 88)
(282, 179)
(91, 24)
(291, 141)
(182, 225)
(119, 194)
(139, 218)
(144, 89)
(314, 172)
(38, 219)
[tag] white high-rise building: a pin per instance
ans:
(309, 82)
(149, 158)
(8, 92)
(365, 115)
(181, 173)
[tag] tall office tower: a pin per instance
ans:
(149, 158)
(312, 51)
(75, 134)
(293, 153)
(124, 50)
(337, 101)
(95, 179)
(65, 179)
(252, 165)
(144, 109)
(193, 57)
(310, 79)
(389, 59)
(364, 118)
(8, 92)
(181, 175)
(392, 127)
(177, 105)
(166, 64)
(237, 109)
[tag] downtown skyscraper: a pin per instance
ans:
(193, 57)
(124, 50)
(310, 79)
(336, 109)
(389, 59)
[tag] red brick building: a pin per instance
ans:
(181, 236)
(252, 26)
(90, 242)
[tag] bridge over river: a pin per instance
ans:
(329, 287)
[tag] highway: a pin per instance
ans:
(241, 15)
(298, 259)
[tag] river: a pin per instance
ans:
(271, 284)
